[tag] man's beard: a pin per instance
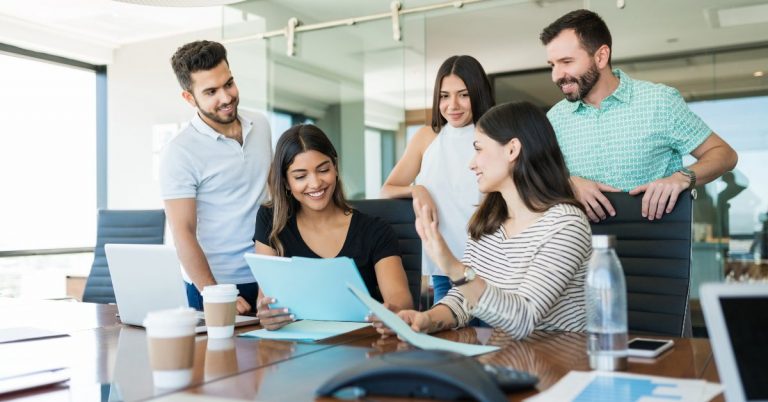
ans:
(585, 83)
(213, 116)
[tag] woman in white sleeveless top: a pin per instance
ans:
(437, 158)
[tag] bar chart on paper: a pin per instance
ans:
(622, 387)
(629, 389)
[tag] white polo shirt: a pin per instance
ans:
(228, 182)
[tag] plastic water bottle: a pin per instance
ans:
(606, 294)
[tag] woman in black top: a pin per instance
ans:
(308, 216)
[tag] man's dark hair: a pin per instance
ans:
(589, 27)
(196, 56)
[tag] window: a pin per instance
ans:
(48, 154)
(280, 121)
(734, 207)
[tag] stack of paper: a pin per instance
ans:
(18, 371)
(24, 380)
(597, 386)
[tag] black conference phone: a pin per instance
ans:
(427, 374)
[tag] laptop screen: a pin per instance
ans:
(747, 321)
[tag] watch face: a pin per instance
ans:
(469, 273)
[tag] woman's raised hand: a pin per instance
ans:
(420, 194)
(431, 240)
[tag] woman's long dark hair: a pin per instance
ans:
(478, 86)
(539, 173)
(297, 139)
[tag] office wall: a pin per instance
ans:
(142, 92)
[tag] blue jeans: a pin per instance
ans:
(248, 291)
(441, 285)
(476, 322)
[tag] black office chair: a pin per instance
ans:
(126, 227)
(656, 257)
(399, 214)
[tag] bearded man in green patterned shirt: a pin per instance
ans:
(621, 134)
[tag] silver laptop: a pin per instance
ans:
(147, 277)
(737, 321)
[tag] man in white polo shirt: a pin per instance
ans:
(213, 176)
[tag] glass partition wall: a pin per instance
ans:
(354, 81)
(347, 80)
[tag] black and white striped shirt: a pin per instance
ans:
(535, 279)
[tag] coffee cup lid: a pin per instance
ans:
(225, 289)
(177, 317)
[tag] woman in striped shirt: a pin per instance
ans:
(529, 240)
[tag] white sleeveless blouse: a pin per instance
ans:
(445, 174)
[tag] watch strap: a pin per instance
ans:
(691, 176)
(468, 276)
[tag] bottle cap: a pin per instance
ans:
(603, 241)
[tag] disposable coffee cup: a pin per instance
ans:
(171, 343)
(220, 358)
(220, 306)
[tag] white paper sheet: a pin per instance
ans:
(419, 340)
(308, 330)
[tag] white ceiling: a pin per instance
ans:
(112, 22)
(90, 29)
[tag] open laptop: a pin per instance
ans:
(147, 277)
(737, 321)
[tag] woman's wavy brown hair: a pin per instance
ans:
(297, 139)
(539, 173)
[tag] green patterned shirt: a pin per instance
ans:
(639, 134)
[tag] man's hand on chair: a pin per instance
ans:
(661, 195)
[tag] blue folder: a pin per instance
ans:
(311, 288)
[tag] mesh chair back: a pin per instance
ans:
(656, 257)
(122, 227)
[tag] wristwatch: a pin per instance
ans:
(691, 176)
(469, 275)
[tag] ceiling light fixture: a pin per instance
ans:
(736, 16)
(181, 3)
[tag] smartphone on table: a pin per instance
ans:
(647, 347)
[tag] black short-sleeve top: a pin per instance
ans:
(369, 239)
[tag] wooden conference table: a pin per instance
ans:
(108, 361)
